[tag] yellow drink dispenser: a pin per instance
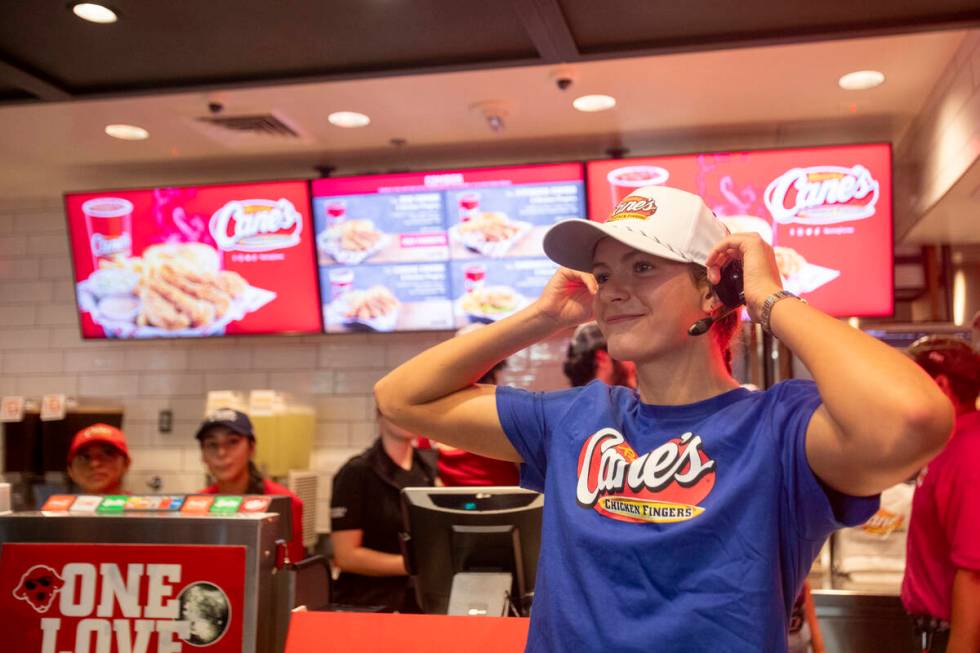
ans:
(284, 432)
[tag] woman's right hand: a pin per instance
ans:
(567, 298)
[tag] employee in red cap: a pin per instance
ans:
(98, 459)
(941, 589)
(227, 445)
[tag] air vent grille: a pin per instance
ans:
(259, 124)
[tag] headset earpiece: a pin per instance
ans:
(730, 290)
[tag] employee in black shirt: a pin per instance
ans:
(365, 518)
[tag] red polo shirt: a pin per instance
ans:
(944, 530)
(462, 468)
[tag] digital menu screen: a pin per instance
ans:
(438, 250)
(195, 261)
(826, 210)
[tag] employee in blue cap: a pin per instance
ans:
(227, 447)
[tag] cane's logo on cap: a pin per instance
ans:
(634, 207)
(223, 415)
(97, 430)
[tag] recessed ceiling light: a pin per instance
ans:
(127, 132)
(94, 13)
(593, 103)
(861, 80)
(348, 119)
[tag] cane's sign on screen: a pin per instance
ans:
(256, 225)
(821, 195)
(194, 262)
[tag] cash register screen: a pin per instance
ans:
(492, 529)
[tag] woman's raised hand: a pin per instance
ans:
(759, 269)
(567, 298)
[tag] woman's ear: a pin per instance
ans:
(943, 382)
(710, 302)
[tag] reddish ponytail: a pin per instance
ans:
(722, 331)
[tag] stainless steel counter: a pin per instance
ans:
(858, 621)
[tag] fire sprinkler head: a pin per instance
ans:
(494, 112)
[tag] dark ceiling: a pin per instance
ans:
(47, 54)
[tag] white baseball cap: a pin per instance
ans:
(658, 220)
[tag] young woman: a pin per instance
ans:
(227, 442)
(685, 515)
(98, 460)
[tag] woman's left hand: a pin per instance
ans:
(759, 269)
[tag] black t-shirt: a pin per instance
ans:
(367, 497)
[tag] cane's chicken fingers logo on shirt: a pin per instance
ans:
(662, 486)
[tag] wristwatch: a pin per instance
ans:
(771, 301)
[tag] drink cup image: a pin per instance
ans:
(341, 282)
(336, 213)
(469, 205)
(109, 221)
(474, 276)
(625, 180)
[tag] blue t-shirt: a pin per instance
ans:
(671, 528)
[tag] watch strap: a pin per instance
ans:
(771, 301)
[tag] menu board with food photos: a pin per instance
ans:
(438, 250)
(195, 261)
(827, 211)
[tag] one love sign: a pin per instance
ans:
(121, 598)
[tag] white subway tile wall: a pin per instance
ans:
(41, 352)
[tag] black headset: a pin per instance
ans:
(730, 290)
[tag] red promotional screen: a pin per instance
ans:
(438, 250)
(827, 211)
(116, 598)
(196, 261)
